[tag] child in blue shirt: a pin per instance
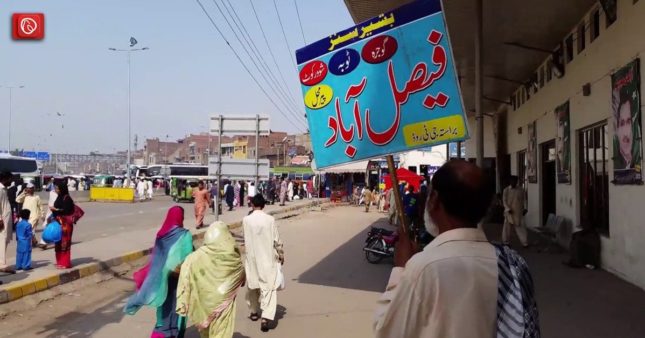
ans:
(23, 237)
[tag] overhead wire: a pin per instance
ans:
(289, 108)
(266, 41)
(284, 35)
(249, 40)
(210, 18)
(295, 2)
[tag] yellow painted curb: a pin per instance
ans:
(41, 285)
(53, 281)
(88, 270)
(28, 289)
(133, 256)
(14, 292)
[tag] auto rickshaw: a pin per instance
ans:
(181, 189)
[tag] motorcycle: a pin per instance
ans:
(380, 244)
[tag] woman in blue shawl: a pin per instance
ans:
(157, 281)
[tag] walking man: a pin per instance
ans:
(514, 211)
(31, 202)
(368, 196)
(283, 191)
(6, 221)
(230, 196)
(202, 202)
(264, 258)
(460, 285)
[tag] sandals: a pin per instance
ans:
(264, 326)
(254, 317)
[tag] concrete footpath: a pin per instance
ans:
(102, 253)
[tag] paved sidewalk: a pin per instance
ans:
(88, 257)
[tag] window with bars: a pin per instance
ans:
(568, 43)
(595, 25)
(594, 178)
(582, 36)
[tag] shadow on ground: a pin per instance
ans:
(76, 324)
(578, 302)
(346, 267)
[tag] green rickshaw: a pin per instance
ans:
(181, 189)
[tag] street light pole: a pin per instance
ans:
(129, 53)
(11, 88)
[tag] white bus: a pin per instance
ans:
(23, 167)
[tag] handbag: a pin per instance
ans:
(53, 232)
(77, 214)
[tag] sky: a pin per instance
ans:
(187, 75)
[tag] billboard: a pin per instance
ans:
(626, 109)
(563, 144)
(384, 86)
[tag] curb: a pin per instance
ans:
(20, 289)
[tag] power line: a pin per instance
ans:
(272, 86)
(295, 2)
(243, 64)
(283, 33)
(249, 40)
(275, 62)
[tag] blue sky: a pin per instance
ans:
(188, 74)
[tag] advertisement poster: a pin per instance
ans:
(626, 108)
(384, 86)
(563, 144)
(531, 154)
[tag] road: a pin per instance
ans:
(331, 290)
(110, 230)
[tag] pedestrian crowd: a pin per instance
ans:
(21, 211)
(201, 285)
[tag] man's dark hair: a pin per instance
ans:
(258, 201)
(5, 175)
(24, 214)
(464, 190)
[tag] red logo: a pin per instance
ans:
(28, 26)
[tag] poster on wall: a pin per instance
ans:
(626, 107)
(384, 86)
(563, 144)
(531, 154)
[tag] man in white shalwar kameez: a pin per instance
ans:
(513, 199)
(264, 258)
(141, 190)
(149, 189)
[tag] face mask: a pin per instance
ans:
(431, 228)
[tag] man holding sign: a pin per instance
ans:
(460, 285)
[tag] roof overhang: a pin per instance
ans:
(507, 24)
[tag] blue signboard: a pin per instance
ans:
(42, 156)
(384, 86)
(30, 154)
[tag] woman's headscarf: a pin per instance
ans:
(174, 217)
(172, 245)
(209, 280)
(62, 187)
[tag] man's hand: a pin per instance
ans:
(403, 250)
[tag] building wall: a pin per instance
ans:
(623, 252)
(436, 156)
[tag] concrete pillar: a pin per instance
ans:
(479, 82)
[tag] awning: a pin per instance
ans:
(518, 37)
(349, 168)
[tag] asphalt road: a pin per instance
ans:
(331, 290)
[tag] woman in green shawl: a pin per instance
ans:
(208, 283)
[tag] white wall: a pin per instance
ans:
(435, 157)
(489, 138)
(623, 252)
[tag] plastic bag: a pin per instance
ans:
(53, 232)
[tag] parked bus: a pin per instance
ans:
(22, 167)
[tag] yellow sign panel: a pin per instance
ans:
(319, 96)
(109, 194)
(434, 131)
